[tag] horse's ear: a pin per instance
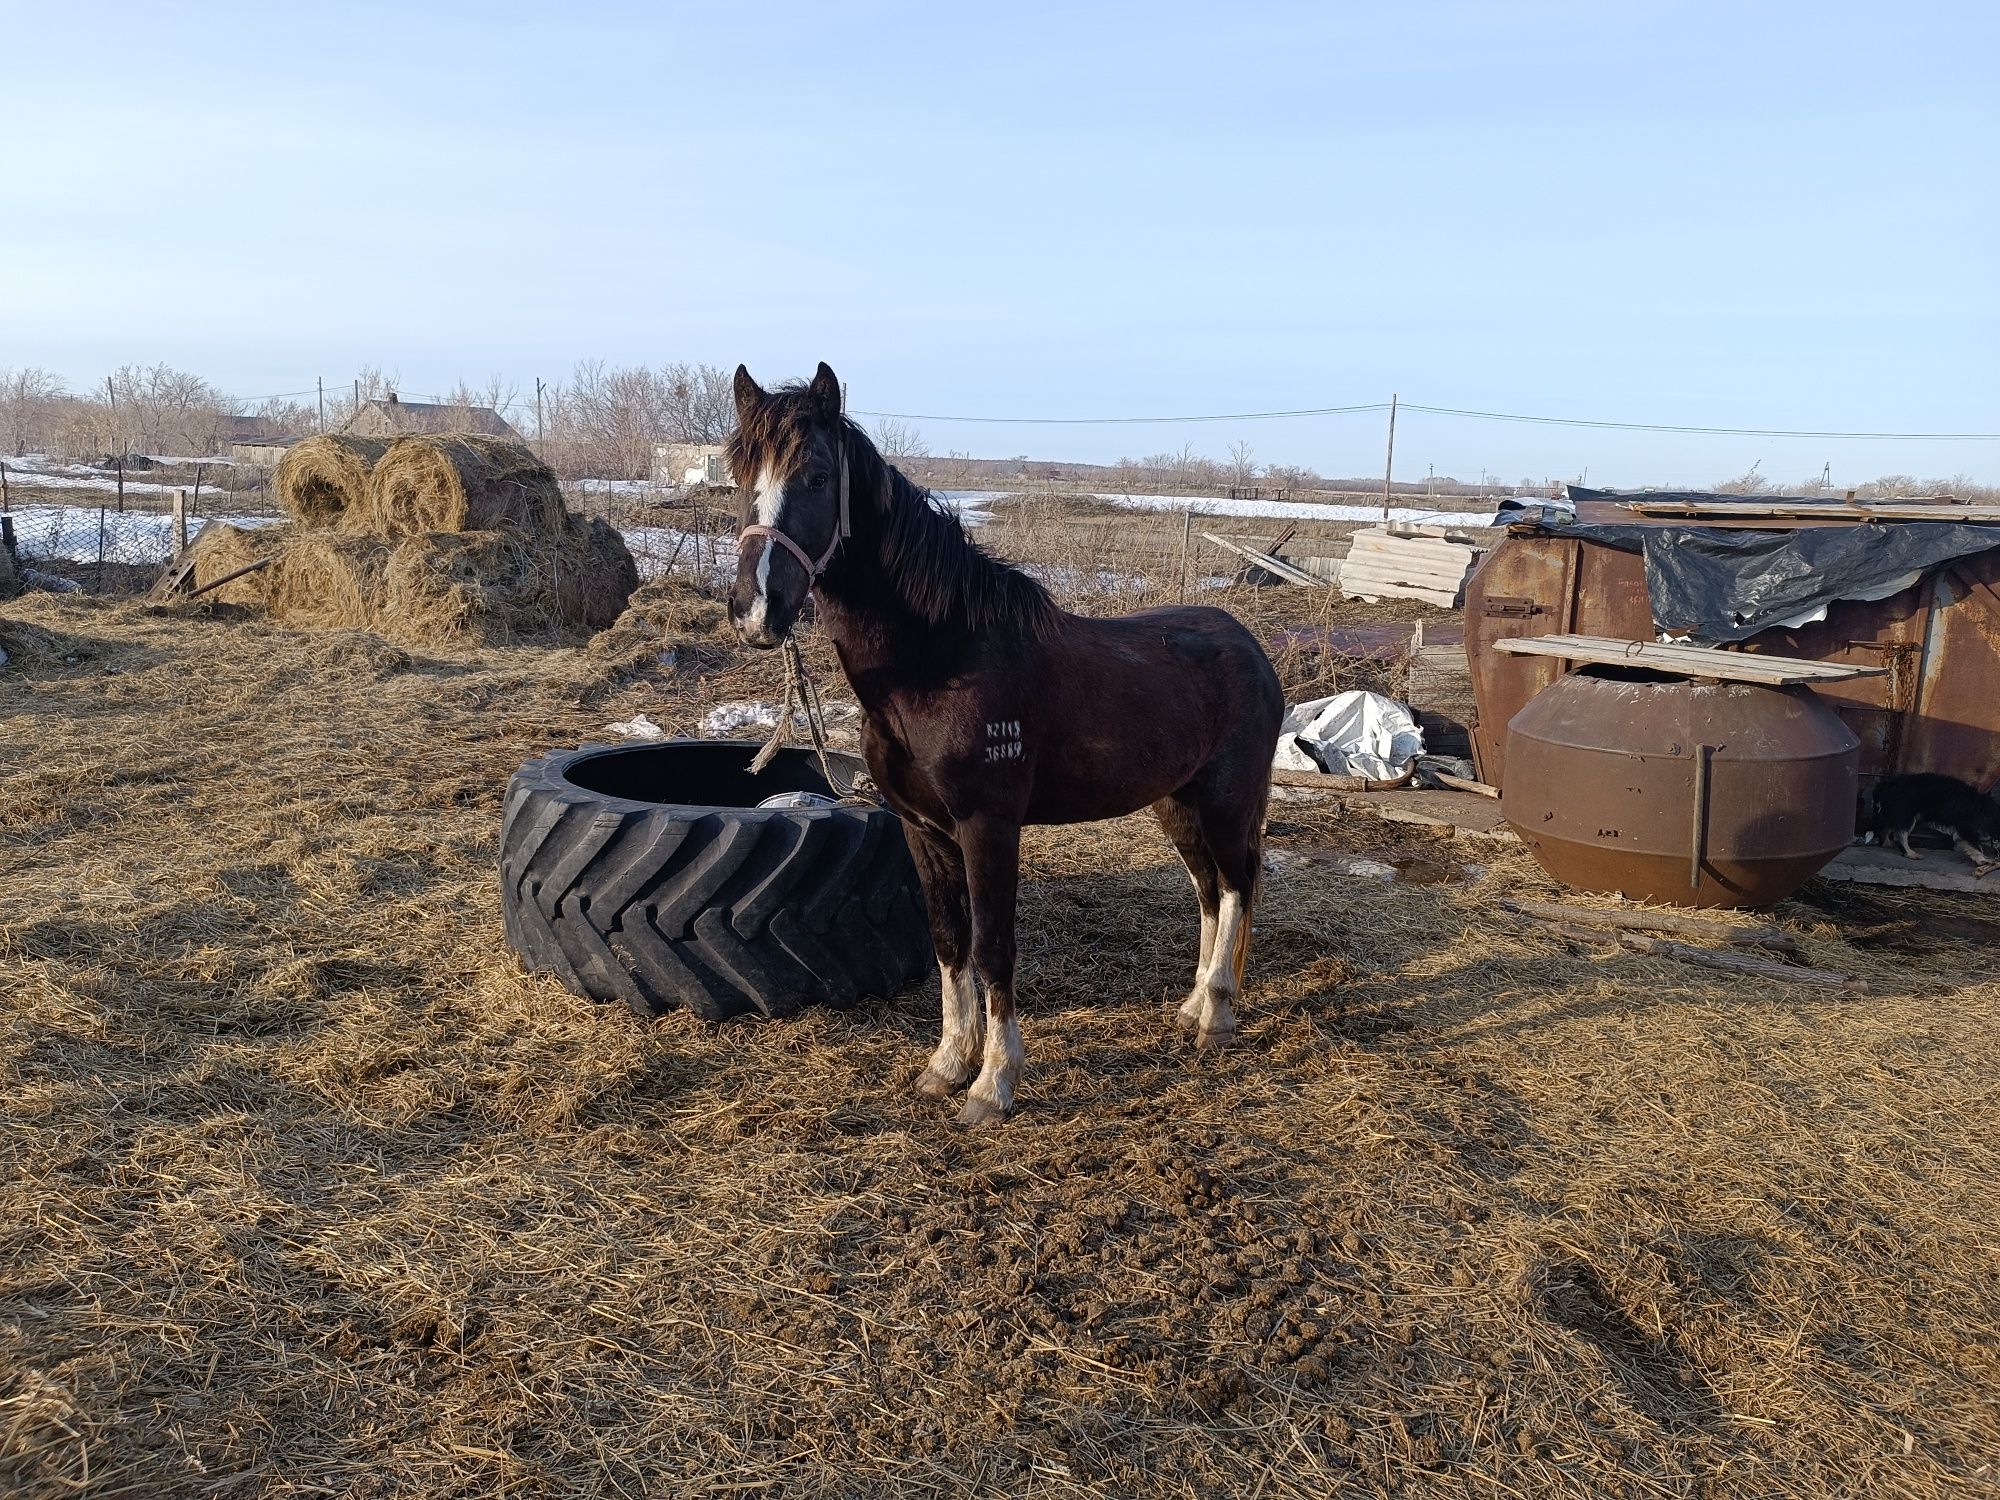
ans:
(825, 390)
(748, 392)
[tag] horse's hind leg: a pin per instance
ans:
(1232, 819)
(1182, 824)
(941, 869)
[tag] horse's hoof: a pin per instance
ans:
(980, 1111)
(932, 1084)
(1213, 1038)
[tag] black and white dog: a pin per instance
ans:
(1964, 814)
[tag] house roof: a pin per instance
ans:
(431, 416)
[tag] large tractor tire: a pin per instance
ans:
(647, 873)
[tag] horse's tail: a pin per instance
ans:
(1240, 959)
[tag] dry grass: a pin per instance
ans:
(309, 1190)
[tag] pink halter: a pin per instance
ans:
(813, 569)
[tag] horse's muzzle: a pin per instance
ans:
(753, 626)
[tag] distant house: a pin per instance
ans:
(393, 417)
(259, 453)
(689, 463)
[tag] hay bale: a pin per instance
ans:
(493, 587)
(222, 549)
(323, 479)
(459, 482)
(328, 579)
(500, 586)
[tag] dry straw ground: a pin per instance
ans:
(308, 1190)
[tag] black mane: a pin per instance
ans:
(939, 571)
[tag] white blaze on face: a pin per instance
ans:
(770, 503)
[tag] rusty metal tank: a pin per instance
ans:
(1628, 781)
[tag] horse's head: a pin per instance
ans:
(786, 457)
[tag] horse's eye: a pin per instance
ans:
(818, 480)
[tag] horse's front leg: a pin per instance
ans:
(941, 869)
(992, 850)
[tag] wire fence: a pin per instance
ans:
(85, 541)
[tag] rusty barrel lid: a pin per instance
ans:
(1628, 781)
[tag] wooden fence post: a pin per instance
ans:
(1187, 535)
(180, 522)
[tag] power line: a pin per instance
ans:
(1234, 416)
(1447, 411)
(1778, 432)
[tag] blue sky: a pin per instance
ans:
(1741, 215)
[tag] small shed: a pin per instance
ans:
(259, 453)
(690, 463)
(1910, 586)
(393, 417)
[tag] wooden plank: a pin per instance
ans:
(1832, 671)
(1277, 567)
(1625, 649)
(1456, 812)
(1688, 661)
(1466, 784)
(1933, 870)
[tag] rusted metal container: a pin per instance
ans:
(1632, 782)
(1938, 709)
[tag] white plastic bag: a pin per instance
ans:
(638, 727)
(1349, 734)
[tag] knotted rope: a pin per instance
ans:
(802, 694)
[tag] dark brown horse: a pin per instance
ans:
(985, 707)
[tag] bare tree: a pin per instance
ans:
(898, 439)
(29, 400)
(1294, 477)
(1242, 464)
(1749, 482)
(460, 403)
(344, 402)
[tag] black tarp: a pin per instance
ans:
(1721, 584)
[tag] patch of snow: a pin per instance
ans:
(1298, 510)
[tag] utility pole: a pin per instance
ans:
(538, 411)
(322, 403)
(1389, 466)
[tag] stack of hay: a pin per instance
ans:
(426, 539)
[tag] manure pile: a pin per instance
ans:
(426, 540)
